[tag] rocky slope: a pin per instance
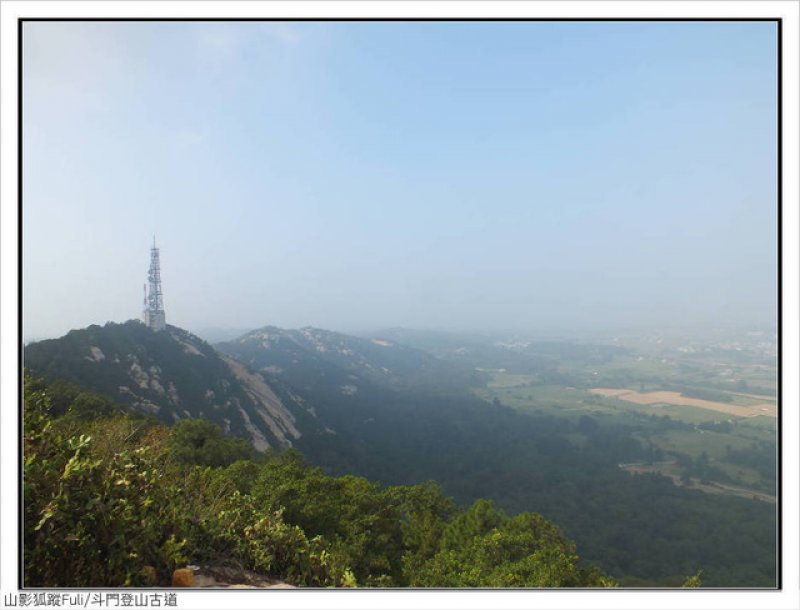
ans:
(305, 354)
(173, 375)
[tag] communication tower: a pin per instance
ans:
(153, 299)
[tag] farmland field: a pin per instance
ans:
(710, 414)
(676, 398)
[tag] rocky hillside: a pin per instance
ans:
(303, 356)
(173, 375)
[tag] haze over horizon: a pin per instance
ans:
(354, 176)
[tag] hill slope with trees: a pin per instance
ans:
(115, 499)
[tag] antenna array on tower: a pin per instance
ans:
(153, 299)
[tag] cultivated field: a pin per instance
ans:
(675, 398)
(703, 405)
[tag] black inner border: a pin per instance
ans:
(779, 68)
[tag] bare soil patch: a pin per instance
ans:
(676, 398)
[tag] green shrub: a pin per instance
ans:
(484, 548)
(196, 442)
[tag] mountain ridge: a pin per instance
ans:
(381, 361)
(171, 375)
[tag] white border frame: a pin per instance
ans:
(788, 10)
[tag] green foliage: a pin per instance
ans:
(97, 513)
(484, 548)
(693, 582)
(479, 520)
(424, 515)
(88, 520)
(642, 526)
(109, 498)
(196, 442)
(272, 546)
(358, 520)
(242, 475)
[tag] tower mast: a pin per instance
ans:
(154, 300)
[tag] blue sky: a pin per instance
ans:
(527, 175)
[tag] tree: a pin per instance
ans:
(201, 443)
(424, 513)
(484, 548)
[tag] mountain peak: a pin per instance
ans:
(172, 374)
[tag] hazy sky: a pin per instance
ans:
(359, 175)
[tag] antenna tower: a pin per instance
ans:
(154, 300)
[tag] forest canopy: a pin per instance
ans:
(112, 498)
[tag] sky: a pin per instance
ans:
(354, 176)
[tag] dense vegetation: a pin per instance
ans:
(115, 499)
(641, 529)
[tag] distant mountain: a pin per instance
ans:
(307, 355)
(172, 375)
